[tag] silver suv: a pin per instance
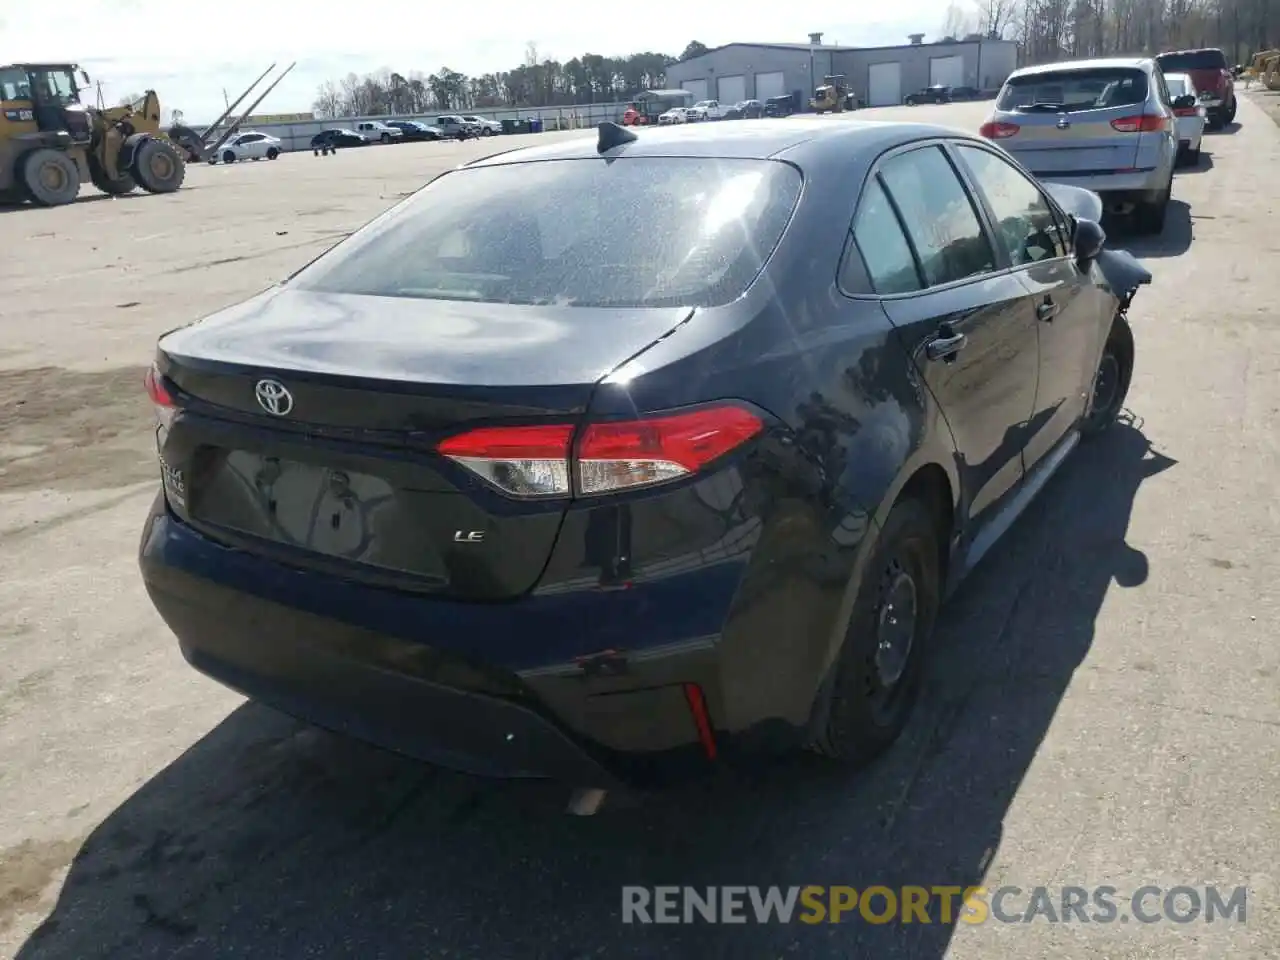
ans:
(1106, 125)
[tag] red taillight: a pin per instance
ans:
(1186, 111)
(536, 461)
(523, 461)
(1143, 123)
(998, 131)
(156, 389)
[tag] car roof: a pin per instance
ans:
(1143, 63)
(744, 139)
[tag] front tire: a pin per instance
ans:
(877, 676)
(157, 168)
(272, 153)
(1111, 380)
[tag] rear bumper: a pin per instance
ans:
(360, 661)
(1139, 182)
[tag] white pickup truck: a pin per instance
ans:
(707, 110)
(375, 131)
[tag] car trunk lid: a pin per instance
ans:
(1073, 122)
(305, 428)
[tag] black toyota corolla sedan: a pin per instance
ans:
(602, 458)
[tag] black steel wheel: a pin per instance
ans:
(1111, 380)
(877, 677)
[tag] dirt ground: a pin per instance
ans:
(1105, 708)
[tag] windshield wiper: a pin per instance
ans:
(1042, 107)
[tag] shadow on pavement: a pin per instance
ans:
(1227, 129)
(272, 839)
(1203, 165)
(1173, 241)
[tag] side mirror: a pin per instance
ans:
(1184, 101)
(1089, 239)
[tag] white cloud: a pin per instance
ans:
(190, 57)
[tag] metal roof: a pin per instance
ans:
(742, 139)
(1101, 63)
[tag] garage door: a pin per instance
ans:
(696, 87)
(948, 71)
(732, 89)
(884, 84)
(770, 85)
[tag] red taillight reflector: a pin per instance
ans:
(632, 453)
(156, 389)
(534, 461)
(998, 131)
(528, 461)
(1145, 123)
(701, 718)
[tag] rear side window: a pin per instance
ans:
(1093, 89)
(642, 232)
(1192, 60)
(891, 267)
(938, 216)
(1177, 85)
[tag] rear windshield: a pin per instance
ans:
(643, 232)
(1192, 60)
(1093, 89)
(1177, 85)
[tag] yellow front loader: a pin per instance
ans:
(1265, 69)
(51, 142)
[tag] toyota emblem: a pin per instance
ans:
(273, 397)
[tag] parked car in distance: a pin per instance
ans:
(415, 130)
(455, 128)
(494, 483)
(375, 131)
(1212, 75)
(1189, 120)
(780, 106)
(707, 110)
(487, 127)
(674, 115)
(966, 93)
(1105, 125)
(938, 93)
(328, 141)
(745, 110)
(249, 145)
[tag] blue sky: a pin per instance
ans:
(191, 51)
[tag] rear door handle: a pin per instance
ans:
(1047, 310)
(945, 346)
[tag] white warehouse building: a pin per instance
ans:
(880, 76)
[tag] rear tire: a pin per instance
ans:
(385, 138)
(50, 177)
(228, 157)
(1111, 380)
(157, 167)
(1150, 216)
(877, 677)
(1231, 111)
(272, 153)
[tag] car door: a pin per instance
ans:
(965, 320)
(1069, 310)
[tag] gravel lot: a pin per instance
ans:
(1105, 708)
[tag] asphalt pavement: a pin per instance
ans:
(1104, 707)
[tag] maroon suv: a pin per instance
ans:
(1212, 76)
